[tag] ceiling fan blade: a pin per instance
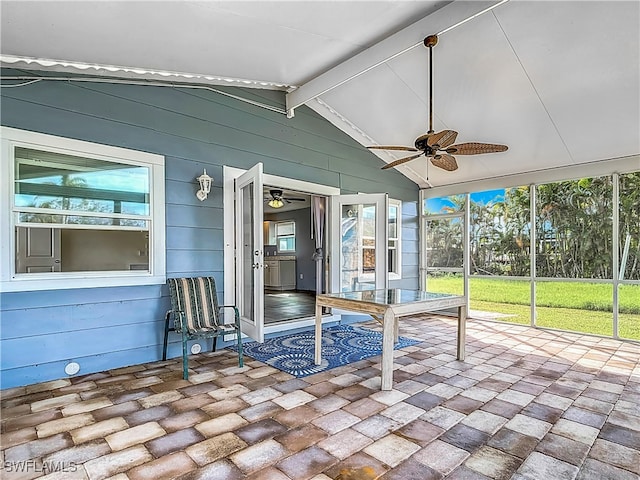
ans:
(393, 147)
(442, 139)
(445, 161)
(291, 199)
(475, 148)
(401, 161)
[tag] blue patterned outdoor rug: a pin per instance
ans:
(341, 345)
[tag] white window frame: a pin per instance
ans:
(12, 282)
(397, 274)
(291, 235)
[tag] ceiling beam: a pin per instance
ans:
(411, 36)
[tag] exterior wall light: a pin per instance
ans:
(205, 185)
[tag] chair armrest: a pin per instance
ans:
(177, 317)
(236, 313)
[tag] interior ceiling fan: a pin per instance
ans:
(277, 200)
(438, 147)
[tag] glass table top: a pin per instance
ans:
(391, 296)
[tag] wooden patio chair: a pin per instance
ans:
(196, 314)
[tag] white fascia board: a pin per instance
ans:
(558, 174)
(133, 73)
(397, 43)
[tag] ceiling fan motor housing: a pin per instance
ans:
(421, 144)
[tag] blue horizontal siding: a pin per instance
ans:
(78, 296)
(104, 328)
(195, 261)
(88, 317)
(410, 248)
(194, 238)
(79, 343)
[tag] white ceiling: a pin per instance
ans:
(558, 82)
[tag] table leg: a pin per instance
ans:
(462, 330)
(396, 327)
(388, 328)
(318, 335)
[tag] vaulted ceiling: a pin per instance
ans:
(558, 82)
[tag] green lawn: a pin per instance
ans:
(580, 307)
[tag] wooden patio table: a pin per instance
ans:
(387, 306)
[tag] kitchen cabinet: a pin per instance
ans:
(269, 232)
(280, 273)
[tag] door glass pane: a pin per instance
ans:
(357, 256)
(248, 247)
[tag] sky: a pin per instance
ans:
(435, 205)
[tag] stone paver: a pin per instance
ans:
(224, 423)
(493, 463)
(134, 435)
(345, 443)
(259, 456)
(64, 424)
(117, 462)
(98, 430)
(391, 449)
(538, 466)
(294, 399)
(215, 448)
(164, 468)
(526, 404)
(441, 456)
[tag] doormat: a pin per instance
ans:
(341, 345)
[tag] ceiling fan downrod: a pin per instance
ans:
(430, 42)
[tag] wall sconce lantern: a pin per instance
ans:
(205, 185)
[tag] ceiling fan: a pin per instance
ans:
(438, 147)
(277, 200)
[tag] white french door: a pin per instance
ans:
(250, 252)
(359, 241)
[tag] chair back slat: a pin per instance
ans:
(196, 297)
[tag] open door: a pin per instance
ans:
(359, 242)
(250, 252)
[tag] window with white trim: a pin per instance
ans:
(286, 236)
(394, 260)
(394, 226)
(77, 214)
